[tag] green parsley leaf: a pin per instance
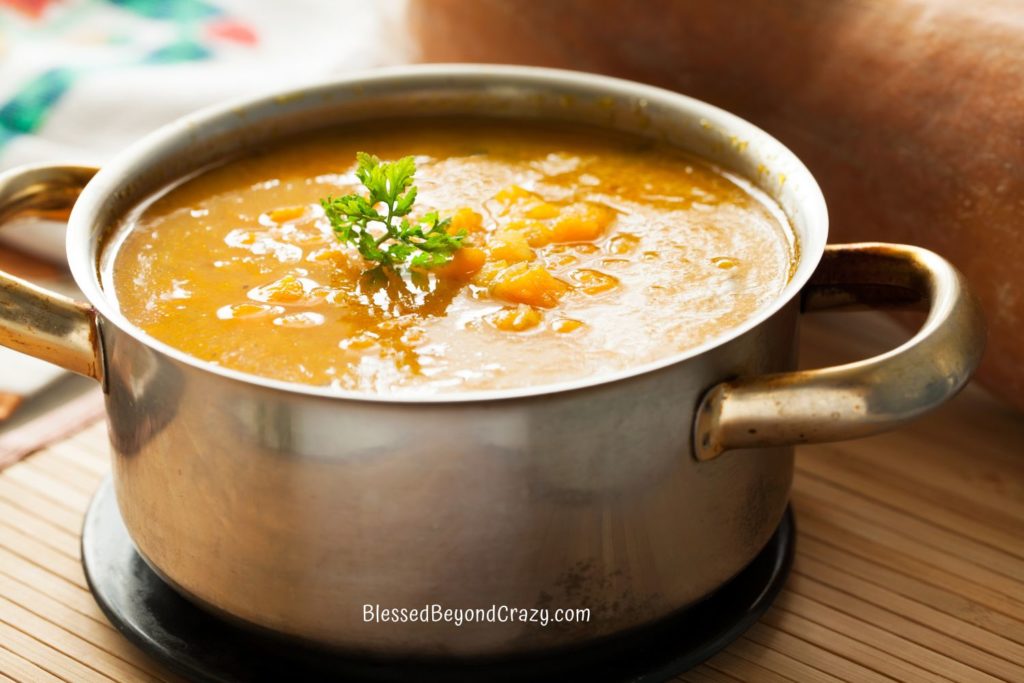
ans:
(378, 224)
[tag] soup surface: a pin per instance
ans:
(586, 253)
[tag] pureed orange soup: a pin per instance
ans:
(589, 253)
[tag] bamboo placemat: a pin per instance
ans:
(909, 567)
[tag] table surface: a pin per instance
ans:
(909, 565)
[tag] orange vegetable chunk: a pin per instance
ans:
(517, 319)
(594, 281)
(566, 325)
(511, 247)
(581, 223)
(466, 219)
(288, 289)
(533, 285)
(513, 194)
(464, 264)
(542, 210)
(288, 213)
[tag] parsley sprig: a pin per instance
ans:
(393, 238)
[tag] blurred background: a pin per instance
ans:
(907, 111)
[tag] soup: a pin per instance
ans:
(584, 253)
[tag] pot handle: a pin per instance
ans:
(45, 324)
(869, 396)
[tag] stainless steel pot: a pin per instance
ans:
(291, 507)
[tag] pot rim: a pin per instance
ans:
(80, 233)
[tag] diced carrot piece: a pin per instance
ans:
(335, 257)
(288, 213)
(566, 325)
(542, 210)
(465, 262)
(486, 276)
(594, 281)
(286, 290)
(513, 194)
(510, 247)
(536, 233)
(465, 219)
(524, 284)
(561, 260)
(517, 319)
(245, 310)
(582, 223)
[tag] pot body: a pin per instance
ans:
(294, 512)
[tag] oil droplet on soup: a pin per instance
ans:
(588, 253)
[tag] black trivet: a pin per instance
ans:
(202, 647)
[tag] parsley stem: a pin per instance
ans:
(389, 233)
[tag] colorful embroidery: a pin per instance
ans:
(199, 27)
(26, 111)
(181, 51)
(232, 30)
(179, 10)
(31, 8)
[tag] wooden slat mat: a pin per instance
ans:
(910, 558)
